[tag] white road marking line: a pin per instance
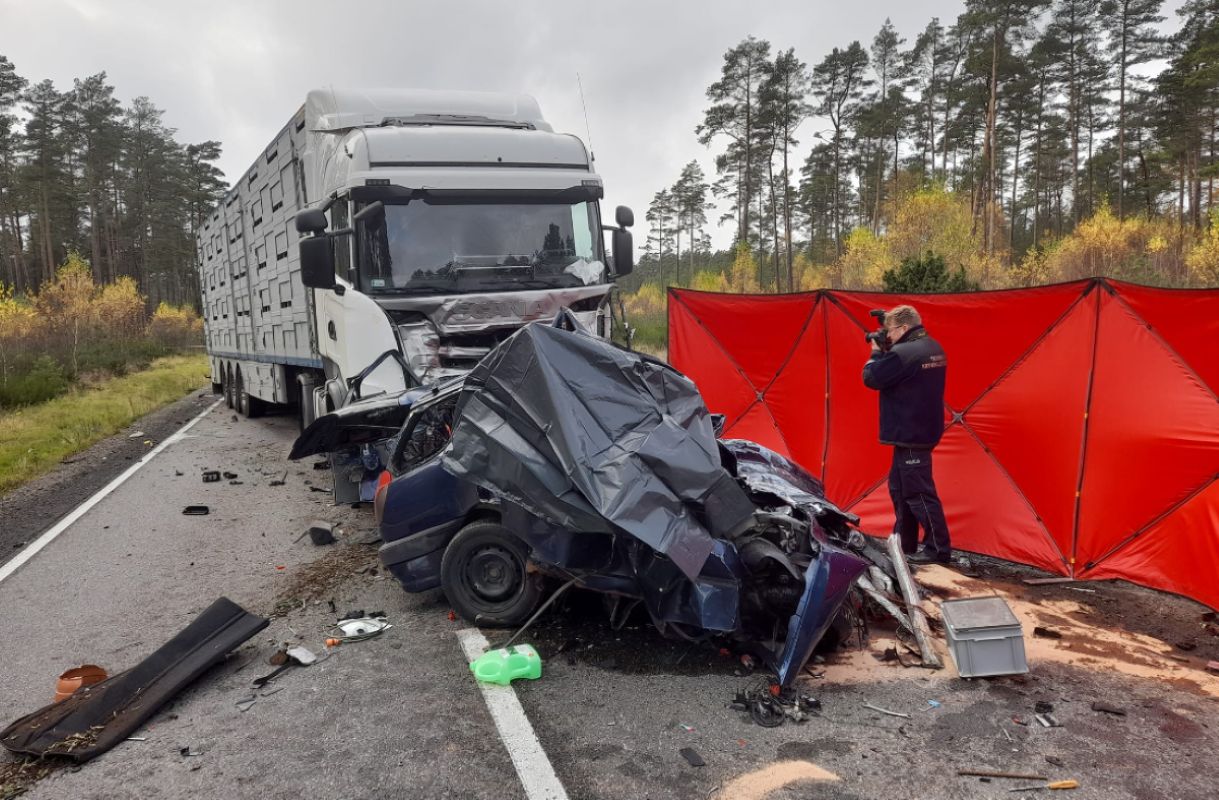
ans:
(532, 766)
(47, 537)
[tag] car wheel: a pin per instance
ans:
(485, 576)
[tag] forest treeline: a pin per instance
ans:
(81, 173)
(1025, 141)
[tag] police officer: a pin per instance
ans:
(909, 374)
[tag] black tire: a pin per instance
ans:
(227, 378)
(485, 576)
(240, 398)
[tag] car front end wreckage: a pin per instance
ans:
(562, 458)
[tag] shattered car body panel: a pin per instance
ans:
(605, 463)
(366, 422)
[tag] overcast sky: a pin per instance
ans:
(236, 71)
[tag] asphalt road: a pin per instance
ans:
(400, 715)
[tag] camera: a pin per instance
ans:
(880, 336)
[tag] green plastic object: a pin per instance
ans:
(505, 665)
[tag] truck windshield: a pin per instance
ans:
(479, 247)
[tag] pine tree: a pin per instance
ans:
(1134, 39)
(733, 113)
(12, 257)
(839, 83)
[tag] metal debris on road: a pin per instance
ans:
(293, 657)
(244, 703)
(986, 773)
(357, 629)
(187, 752)
(886, 711)
(1047, 720)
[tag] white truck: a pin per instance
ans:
(438, 223)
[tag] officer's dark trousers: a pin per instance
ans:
(916, 503)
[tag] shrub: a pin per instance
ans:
(44, 380)
(175, 326)
(926, 275)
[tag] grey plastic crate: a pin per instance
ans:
(984, 636)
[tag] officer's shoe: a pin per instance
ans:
(925, 557)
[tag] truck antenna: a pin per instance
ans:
(592, 156)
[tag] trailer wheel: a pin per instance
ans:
(247, 405)
(484, 573)
(226, 377)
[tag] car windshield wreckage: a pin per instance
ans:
(563, 458)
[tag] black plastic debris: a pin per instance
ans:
(692, 757)
(196, 511)
(211, 476)
(1105, 708)
(321, 533)
(97, 717)
(1042, 707)
(1046, 633)
(229, 476)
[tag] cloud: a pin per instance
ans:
(236, 71)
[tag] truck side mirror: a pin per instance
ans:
(311, 220)
(624, 217)
(317, 262)
(624, 250)
(372, 215)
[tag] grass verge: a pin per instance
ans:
(36, 438)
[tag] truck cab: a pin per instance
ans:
(451, 220)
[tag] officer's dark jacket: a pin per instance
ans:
(910, 378)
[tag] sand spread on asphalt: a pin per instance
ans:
(759, 783)
(1086, 640)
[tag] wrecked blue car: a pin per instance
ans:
(562, 459)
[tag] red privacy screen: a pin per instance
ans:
(1082, 419)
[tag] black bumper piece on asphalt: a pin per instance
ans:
(98, 717)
